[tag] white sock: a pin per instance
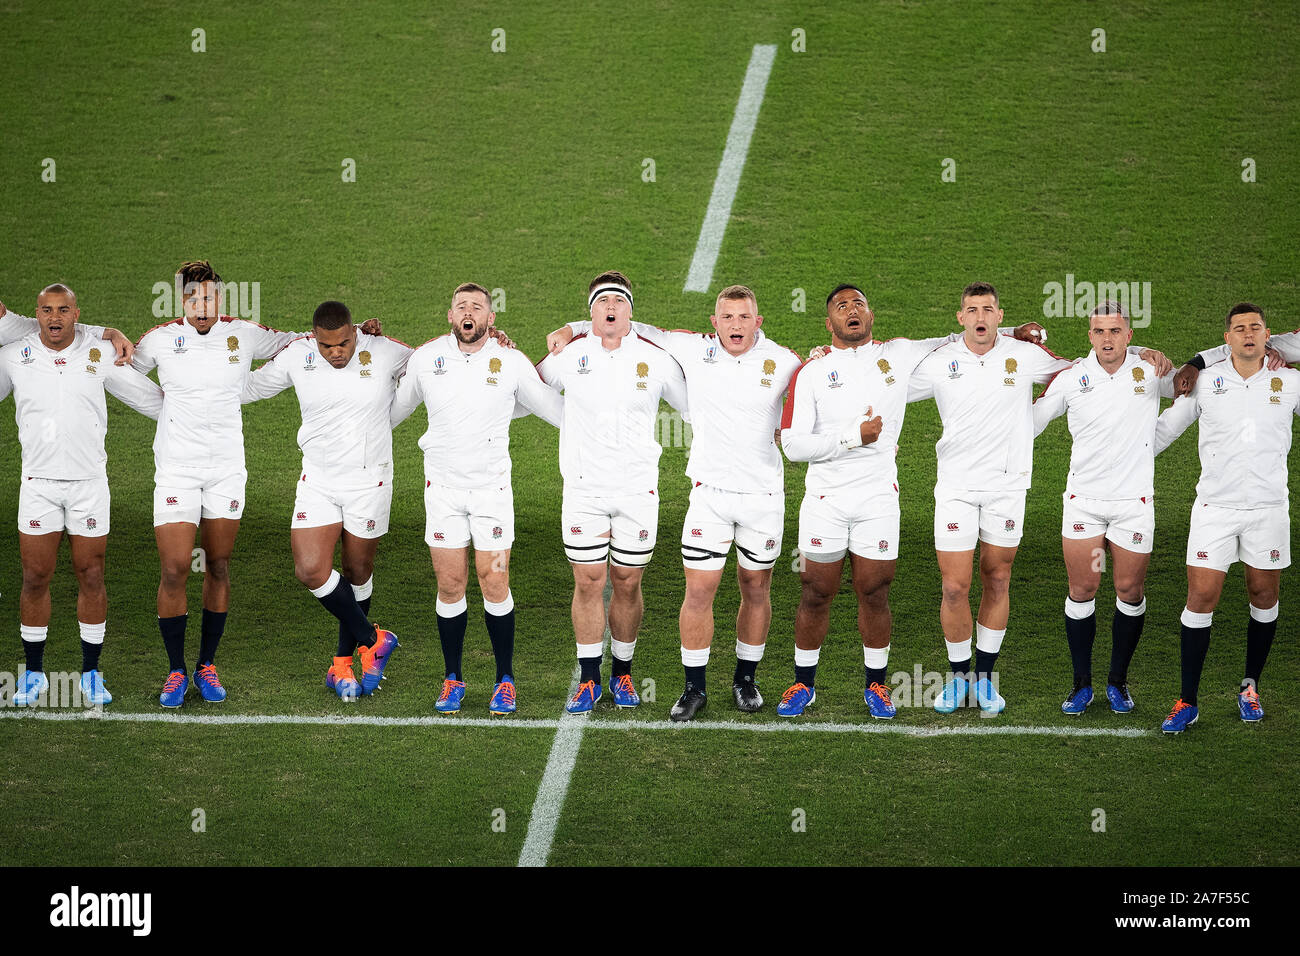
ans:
(363, 591)
(92, 633)
(622, 650)
(590, 650)
(1195, 619)
(749, 652)
(1079, 610)
(33, 635)
(804, 658)
(958, 651)
(450, 610)
(328, 587)
(500, 608)
(988, 640)
(1264, 615)
(876, 657)
(697, 657)
(1132, 610)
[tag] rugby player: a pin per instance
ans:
(843, 414)
(983, 386)
(612, 380)
(735, 380)
(469, 385)
(1112, 400)
(203, 360)
(345, 381)
(58, 376)
(1241, 508)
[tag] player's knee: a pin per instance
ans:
(995, 583)
(218, 569)
(310, 574)
(816, 595)
(1263, 596)
(589, 579)
(90, 574)
(755, 587)
(36, 578)
(495, 586)
(875, 595)
(699, 597)
(1129, 591)
(955, 591)
(626, 582)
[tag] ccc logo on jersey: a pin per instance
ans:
(642, 370)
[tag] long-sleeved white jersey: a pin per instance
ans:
(346, 436)
(611, 408)
(735, 403)
(470, 398)
(827, 399)
(1112, 420)
(59, 400)
(201, 427)
(986, 404)
(1245, 433)
(14, 327)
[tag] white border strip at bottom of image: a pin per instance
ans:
(589, 723)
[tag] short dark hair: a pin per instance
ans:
(472, 287)
(840, 288)
(58, 288)
(1241, 308)
(1109, 307)
(978, 288)
(197, 270)
(331, 315)
(606, 277)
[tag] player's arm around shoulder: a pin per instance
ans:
(277, 374)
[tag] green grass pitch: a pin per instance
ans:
(523, 170)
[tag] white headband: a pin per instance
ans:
(613, 287)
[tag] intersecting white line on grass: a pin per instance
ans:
(983, 729)
(729, 170)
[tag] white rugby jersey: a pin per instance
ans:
(985, 402)
(201, 427)
(470, 398)
(59, 401)
(611, 408)
(735, 405)
(827, 399)
(345, 435)
(1112, 420)
(14, 327)
(1287, 344)
(1245, 433)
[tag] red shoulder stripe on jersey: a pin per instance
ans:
(393, 339)
(235, 318)
(787, 411)
(163, 326)
(1049, 383)
(648, 342)
(306, 335)
(687, 331)
(1047, 350)
(434, 339)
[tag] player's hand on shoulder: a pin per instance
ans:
(1162, 364)
(818, 351)
(1030, 332)
(1185, 380)
(776, 437)
(372, 327)
(871, 428)
(2, 310)
(503, 340)
(1272, 357)
(557, 340)
(125, 347)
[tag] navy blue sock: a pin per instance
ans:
(1125, 631)
(342, 603)
(214, 625)
(590, 669)
(805, 675)
(1259, 639)
(501, 632)
(1080, 633)
(960, 668)
(89, 656)
(745, 671)
(451, 634)
(34, 654)
(173, 635)
(619, 668)
(695, 677)
(985, 661)
(875, 675)
(1194, 644)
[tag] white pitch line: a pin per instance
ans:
(579, 724)
(559, 768)
(729, 170)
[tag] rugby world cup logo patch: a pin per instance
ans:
(180, 344)
(953, 369)
(26, 353)
(709, 354)
(834, 379)
(582, 366)
(439, 366)
(1218, 385)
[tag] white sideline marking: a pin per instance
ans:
(559, 767)
(729, 170)
(584, 723)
